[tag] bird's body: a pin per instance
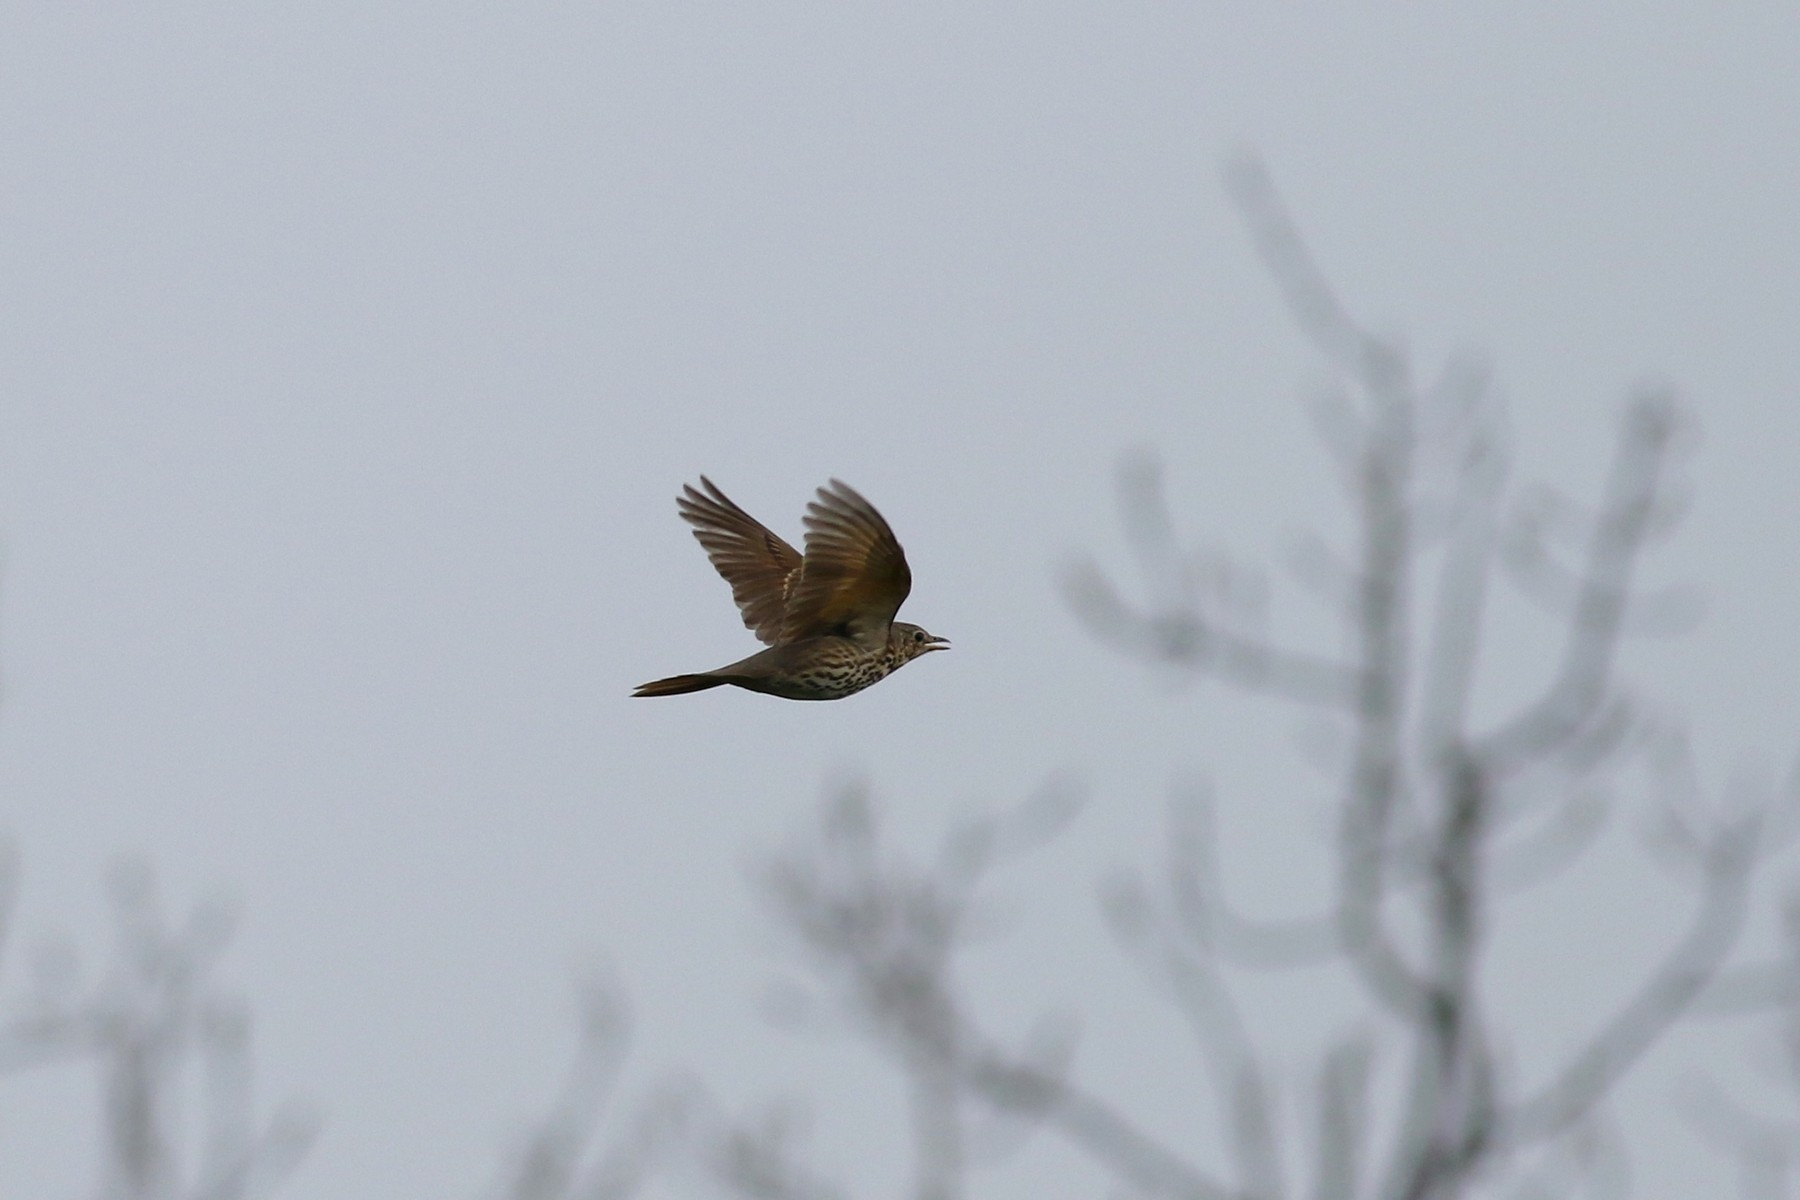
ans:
(821, 668)
(828, 616)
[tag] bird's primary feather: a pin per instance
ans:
(854, 577)
(761, 568)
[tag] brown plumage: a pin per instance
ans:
(827, 616)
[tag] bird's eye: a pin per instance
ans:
(919, 635)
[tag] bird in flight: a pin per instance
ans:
(827, 617)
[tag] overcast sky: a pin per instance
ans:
(353, 354)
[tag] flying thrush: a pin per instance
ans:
(828, 617)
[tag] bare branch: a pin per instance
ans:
(1556, 588)
(267, 1159)
(1579, 688)
(1447, 1126)
(1554, 846)
(886, 932)
(654, 1128)
(758, 1163)
(1093, 1125)
(1663, 998)
(1315, 306)
(1434, 818)
(1343, 1124)
(1205, 914)
(1186, 639)
(1047, 1049)
(1201, 996)
(1760, 986)
(1588, 1161)
(152, 1025)
(1456, 620)
(37, 1039)
(224, 1047)
(971, 848)
(1178, 628)
(1253, 1133)
(550, 1161)
(1375, 781)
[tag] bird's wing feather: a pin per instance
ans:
(854, 578)
(761, 568)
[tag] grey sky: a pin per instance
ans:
(353, 355)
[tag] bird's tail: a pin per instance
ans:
(676, 685)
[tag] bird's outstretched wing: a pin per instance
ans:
(854, 578)
(762, 570)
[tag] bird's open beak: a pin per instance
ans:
(937, 643)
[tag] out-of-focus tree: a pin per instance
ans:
(563, 1156)
(169, 1045)
(1439, 812)
(1759, 1129)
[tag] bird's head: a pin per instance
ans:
(911, 641)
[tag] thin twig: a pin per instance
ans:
(1664, 997)
(1579, 686)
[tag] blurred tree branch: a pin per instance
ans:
(558, 1159)
(1439, 812)
(1426, 793)
(883, 932)
(153, 1021)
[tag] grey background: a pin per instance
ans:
(352, 355)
